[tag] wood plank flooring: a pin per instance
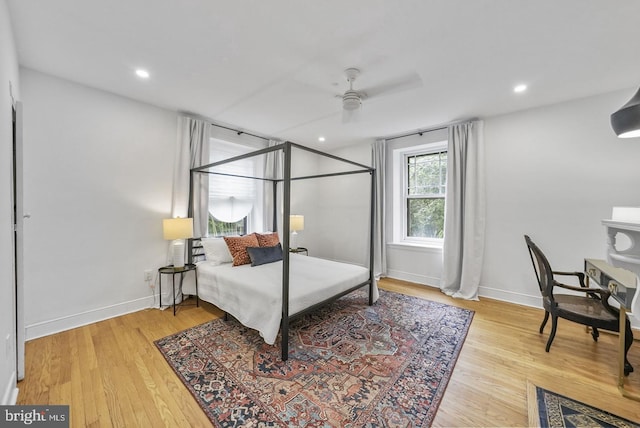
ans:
(111, 374)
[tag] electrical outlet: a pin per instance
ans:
(148, 275)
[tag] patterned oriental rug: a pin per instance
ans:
(548, 409)
(350, 365)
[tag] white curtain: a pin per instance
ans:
(192, 150)
(379, 162)
(464, 223)
(274, 162)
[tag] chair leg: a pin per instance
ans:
(554, 327)
(595, 334)
(544, 321)
(628, 340)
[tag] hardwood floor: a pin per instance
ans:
(111, 374)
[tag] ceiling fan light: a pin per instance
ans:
(351, 100)
(626, 121)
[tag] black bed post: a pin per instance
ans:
(372, 229)
(190, 215)
(275, 206)
(285, 253)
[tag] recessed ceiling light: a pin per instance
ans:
(321, 139)
(144, 74)
(519, 88)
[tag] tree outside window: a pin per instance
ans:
(426, 176)
(219, 228)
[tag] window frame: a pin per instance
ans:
(401, 185)
(230, 149)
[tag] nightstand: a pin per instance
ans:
(173, 271)
(299, 250)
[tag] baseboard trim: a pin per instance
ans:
(412, 277)
(69, 322)
(531, 301)
(510, 297)
(10, 396)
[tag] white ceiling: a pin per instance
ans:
(274, 67)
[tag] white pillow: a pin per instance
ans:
(216, 251)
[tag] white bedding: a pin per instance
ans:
(253, 295)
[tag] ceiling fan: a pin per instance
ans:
(352, 99)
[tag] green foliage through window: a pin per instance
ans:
(425, 193)
(219, 228)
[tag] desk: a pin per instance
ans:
(623, 287)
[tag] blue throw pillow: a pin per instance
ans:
(263, 255)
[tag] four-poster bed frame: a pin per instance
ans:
(287, 178)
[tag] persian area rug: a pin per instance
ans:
(350, 365)
(548, 409)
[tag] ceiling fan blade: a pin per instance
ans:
(351, 116)
(346, 115)
(404, 83)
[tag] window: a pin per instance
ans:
(219, 228)
(426, 184)
(232, 197)
(418, 189)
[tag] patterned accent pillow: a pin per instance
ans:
(238, 248)
(268, 239)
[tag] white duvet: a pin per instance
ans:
(253, 295)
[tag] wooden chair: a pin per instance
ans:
(590, 307)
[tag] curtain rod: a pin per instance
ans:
(211, 122)
(417, 133)
(435, 128)
(239, 132)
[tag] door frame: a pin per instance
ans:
(18, 237)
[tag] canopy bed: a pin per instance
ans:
(268, 296)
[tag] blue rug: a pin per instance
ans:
(548, 409)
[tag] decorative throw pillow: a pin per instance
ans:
(268, 239)
(216, 251)
(263, 255)
(238, 248)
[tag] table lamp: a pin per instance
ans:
(296, 223)
(176, 230)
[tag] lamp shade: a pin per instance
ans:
(626, 121)
(177, 228)
(296, 222)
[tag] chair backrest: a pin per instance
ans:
(542, 268)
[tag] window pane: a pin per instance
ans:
(427, 174)
(219, 228)
(425, 218)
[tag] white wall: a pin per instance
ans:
(98, 181)
(342, 209)
(554, 173)
(8, 74)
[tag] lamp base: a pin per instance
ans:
(293, 242)
(178, 253)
